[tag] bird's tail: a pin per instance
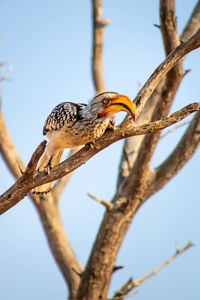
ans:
(45, 188)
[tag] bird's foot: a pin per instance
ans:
(111, 126)
(47, 169)
(40, 193)
(90, 145)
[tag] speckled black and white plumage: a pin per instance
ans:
(64, 114)
(71, 125)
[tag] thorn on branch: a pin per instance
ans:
(103, 22)
(157, 26)
(186, 72)
(109, 206)
(117, 268)
(20, 169)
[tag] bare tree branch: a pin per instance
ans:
(97, 58)
(173, 129)
(169, 25)
(28, 181)
(130, 196)
(124, 296)
(127, 203)
(150, 85)
(113, 229)
(133, 144)
(172, 82)
(178, 158)
(47, 209)
(168, 92)
(58, 241)
(8, 150)
(110, 237)
(131, 284)
(31, 167)
(193, 24)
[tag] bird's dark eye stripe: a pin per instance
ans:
(126, 107)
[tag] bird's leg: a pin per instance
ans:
(48, 167)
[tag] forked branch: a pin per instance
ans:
(146, 91)
(25, 183)
(133, 145)
(48, 209)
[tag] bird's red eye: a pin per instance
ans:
(105, 101)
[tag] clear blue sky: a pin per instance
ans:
(49, 45)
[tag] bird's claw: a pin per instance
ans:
(90, 145)
(47, 169)
(111, 126)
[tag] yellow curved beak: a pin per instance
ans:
(122, 103)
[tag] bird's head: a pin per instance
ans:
(109, 103)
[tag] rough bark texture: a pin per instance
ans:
(132, 145)
(48, 210)
(8, 150)
(97, 57)
(136, 182)
(61, 249)
(29, 180)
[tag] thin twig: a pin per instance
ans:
(174, 128)
(124, 296)
(108, 205)
(131, 284)
(167, 262)
(5, 75)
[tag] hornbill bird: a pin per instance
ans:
(71, 125)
